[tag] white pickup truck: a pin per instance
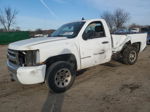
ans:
(74, 46)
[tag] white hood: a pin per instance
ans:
(26, 44)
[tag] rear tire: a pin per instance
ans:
(60, 76)
(130, 55)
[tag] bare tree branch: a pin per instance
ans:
(120, 17)
(109, 19)
(7, 18)
(117, 19)
(2, 19)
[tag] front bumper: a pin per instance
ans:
(27, 75)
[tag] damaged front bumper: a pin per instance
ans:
(27, 75)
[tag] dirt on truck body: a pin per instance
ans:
(111, 87)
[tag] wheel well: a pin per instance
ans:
(64, 57)
(136, 45)
(125, 46)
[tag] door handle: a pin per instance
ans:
(105, 42)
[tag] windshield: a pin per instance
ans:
(69, 30)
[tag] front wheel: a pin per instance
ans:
(60, 76)
(130, 55)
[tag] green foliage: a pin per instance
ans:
(8, 37)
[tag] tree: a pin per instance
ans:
(120, 17)
(117, 19)
(109, 19)
(7, 18)
(39, 31)
(1, 30)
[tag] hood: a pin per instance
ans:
(27, 44)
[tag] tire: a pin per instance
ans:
(130, 55)
(60, 76)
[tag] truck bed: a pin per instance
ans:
(118, 41)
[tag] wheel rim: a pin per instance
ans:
(132, 56)
(63, 77)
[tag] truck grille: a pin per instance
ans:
(12, 56)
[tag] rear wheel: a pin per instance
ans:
(60, 76)
(130, 55)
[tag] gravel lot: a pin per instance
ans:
(111, 87)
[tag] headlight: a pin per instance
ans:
(28, 58)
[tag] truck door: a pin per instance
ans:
(95, 47)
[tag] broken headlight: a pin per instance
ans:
(28, 58)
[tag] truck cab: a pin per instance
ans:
(94, 43)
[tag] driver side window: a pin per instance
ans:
(94, 30)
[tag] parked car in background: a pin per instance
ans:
(135, 30)
(148, 38)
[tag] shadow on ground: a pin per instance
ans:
(53, 103)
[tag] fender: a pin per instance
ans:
(68, 48)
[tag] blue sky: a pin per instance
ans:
(50, 14)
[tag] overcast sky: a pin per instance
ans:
(50, 14)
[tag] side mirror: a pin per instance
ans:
(85, 36)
